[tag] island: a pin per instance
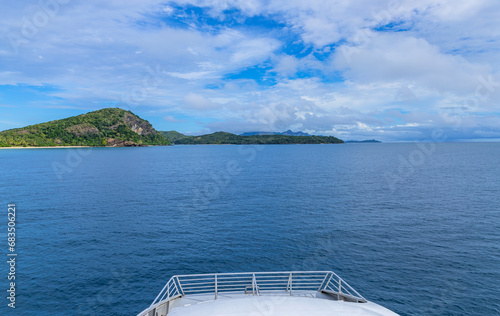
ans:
(288, 132)
(110, 127)
(362, 141)
(223, 138)
(115, 127)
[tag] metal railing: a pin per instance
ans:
(252, 283)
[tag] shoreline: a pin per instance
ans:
(44, 147)
(49, 147)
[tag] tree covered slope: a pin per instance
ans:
(106, 127)
(220, 138)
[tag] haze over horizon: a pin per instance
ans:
(389, 70)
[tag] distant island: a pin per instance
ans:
(111, 127)
(223, 138)
(363, 141)
(114, 127)
(288, 133)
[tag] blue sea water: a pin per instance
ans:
(413, 227)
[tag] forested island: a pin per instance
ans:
(114, 127)
(223, 138)
(362, 141)
(111, 127)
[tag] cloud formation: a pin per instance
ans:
(394, 71)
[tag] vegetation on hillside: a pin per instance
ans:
(106, 127)
(117, 127)
(220, 138)
(173, 136)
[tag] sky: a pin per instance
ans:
(389, 70)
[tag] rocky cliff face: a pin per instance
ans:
(138, 125)
(111, 142)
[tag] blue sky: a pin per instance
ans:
(391, 70)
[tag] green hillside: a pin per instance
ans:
(228, 138)
(173, 136)
(107, 127)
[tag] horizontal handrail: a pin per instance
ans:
(254, 283)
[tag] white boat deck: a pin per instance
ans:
(289, 293)
(273, 305)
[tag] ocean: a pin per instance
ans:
(413, 227)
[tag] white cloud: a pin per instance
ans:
(171, 119)
(398, 57)
(199, 102)
(253, 51)
(192, 75)
(286, 66)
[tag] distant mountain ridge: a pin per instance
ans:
(111, 127)
(220, 138)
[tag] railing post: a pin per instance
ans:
(340, 288)
(290, 284)
(176, 287)
(257, 291)
(216, 286)
(253, 283)
(329, 280)
(323, 282)
(180, 286)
